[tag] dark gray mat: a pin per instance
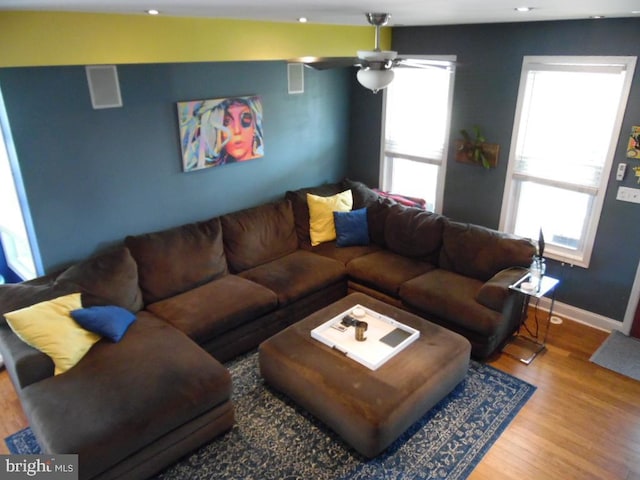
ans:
(619, 353)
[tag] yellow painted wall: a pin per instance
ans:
(57, 38)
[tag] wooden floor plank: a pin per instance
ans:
(583, 421)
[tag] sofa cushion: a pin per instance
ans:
(363, 196)
(178, 259)
(378, 208)
(377, 213)
(258, 235)
(351, 228)
(321, 222)
(480, 252)
(450, 296)
(297, 275)
(14, 296)
(216, 307)
(386, 271)
(413, 232)
(108, 321)
(124, 396)
(111, 276)
(49, 328)
(298, 199)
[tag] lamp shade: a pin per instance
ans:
(374, 80)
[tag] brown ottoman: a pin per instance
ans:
(369, 409)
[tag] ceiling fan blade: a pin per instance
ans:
(325, 63)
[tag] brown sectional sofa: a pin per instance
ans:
(451, 273)
(207, 291)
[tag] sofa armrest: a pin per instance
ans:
(25, 364)
(494, 292)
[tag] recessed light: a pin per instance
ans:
(153, 12)
(597, 16)
(635, 12)
(303, 20)
(523, 9)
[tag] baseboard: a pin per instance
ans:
(581, 316)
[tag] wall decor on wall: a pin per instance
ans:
(219, 131)
(633, 149)
(476, 150)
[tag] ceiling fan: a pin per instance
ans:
(376, 66)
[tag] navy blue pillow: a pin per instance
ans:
(351, 228)
(109, 321)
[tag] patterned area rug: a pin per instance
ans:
(273, 439)
(23, 443)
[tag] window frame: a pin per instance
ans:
(514, 181)
(386, 167)
(12, 243)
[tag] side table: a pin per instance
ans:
(526, 347)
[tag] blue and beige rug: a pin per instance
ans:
(273, 439)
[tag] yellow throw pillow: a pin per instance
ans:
(48, 327)
(321, 225)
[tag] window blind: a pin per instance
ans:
(414, 114)
(565, 131)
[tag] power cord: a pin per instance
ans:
(535, 317)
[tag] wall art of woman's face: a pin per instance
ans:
(241, 131)
(220, 131)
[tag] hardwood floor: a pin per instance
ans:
(12, 418)
(583, 421)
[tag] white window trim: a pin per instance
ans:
(21, 269)
(384, 173)
(7, 238)
(508, 203)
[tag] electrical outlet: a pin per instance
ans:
(627, 194)
(622, 167)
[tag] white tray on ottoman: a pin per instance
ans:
(385, 337)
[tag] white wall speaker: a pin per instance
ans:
(103, 86)
(295, 76)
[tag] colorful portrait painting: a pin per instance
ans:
(633, 148)
(220, 131)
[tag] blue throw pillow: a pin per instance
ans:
(351, 228)
(109, 321)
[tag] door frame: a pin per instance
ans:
(632, 306)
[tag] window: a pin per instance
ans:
(566, 129)
(13, 232)
(417, 111)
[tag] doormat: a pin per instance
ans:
(619, 353)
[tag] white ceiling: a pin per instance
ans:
(350, 12)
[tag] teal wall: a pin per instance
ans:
(95, 176)
(486, 89)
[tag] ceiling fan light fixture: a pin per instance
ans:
(377, 55)
(374, 80)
